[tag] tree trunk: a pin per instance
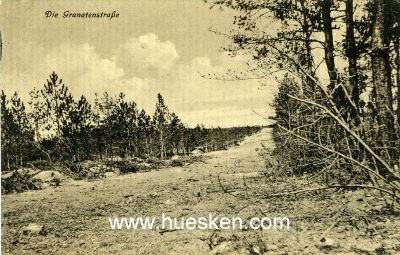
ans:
(147, 146)
(307, 58)
(381, 76)
(329, 47)
(351, 53)
(397, 51)
(1, 46)
(161, 145)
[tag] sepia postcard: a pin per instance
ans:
(200, 127)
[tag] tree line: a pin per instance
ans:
(55, 127)
(346, 123)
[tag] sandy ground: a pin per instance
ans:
(75, 215)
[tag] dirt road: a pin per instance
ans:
(75, 216)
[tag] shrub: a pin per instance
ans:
(19, 181)
(124, 166)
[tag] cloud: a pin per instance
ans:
(85, 72)
(148, 55)
(82, 69)
(144, 66)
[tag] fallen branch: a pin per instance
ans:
(163, 231)
(337, 117)
(324, 169)
(42, 150)
(345, 157)
(220, 184)
(351, 132)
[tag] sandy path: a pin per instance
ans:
(76, 214)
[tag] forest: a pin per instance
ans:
(337, 66)
(55, 128)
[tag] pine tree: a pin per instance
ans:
(162, 119)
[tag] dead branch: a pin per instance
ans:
(220, 184)
(336, 116)
(324, 169)
(345, 157)
(351, 132)
(163, 231)
(42, 150)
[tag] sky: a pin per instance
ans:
(154, 46)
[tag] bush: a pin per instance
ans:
(124, 166)
(41, 164)
(177, 162)
(19, 181)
